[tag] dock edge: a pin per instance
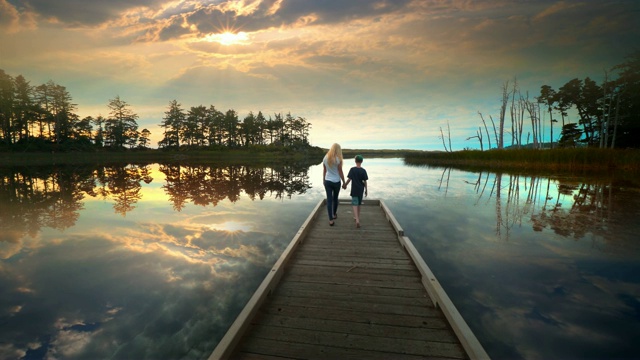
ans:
(437, 294)
(235, 332)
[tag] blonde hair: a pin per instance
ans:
(334, 151)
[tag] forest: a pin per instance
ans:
(608, 114)
(44, 118)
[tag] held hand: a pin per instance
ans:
(344, 186)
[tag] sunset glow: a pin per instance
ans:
(229, 38)
(400, 70)
(231, 226)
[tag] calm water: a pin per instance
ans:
(156, 261)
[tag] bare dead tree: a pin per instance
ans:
(615, 123)
(449, 130)
(521, 111)
(517, 115)
(442, 137)
(532, 109)
(503, 110)
(479, 137)
(485, 128)
(495, 132)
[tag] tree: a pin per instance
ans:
(249, 130)
(570, 135)
(23, 107)
(503, 110)
(230, 128)
(272, 129)
(83, 129)
(214, 126)
(99, 135)
(61, 112)
(197, 120)
(549, 97)
(261, 123)
(277, 126)
(121, 127)
(172, 123)
(585, 96)
(479, 136)
(43, 100)
(6, 107)
(627, 123)
(534, 115)
(592, 101)
(443, 139)
(143, 140)
(517, 110)
(193, 131)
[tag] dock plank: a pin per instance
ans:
(350, 293)
(333, 339)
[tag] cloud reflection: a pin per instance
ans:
(536, 265)
(153, 290)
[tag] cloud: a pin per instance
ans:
(556, 9)
(9, 16)
(78, 12)
(14, 19)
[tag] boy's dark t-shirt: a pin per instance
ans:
(357, 175)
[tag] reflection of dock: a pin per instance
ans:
(345, 293)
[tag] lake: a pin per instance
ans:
(156, 261)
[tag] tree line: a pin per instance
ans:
(608, 114)
(203, 126)
(44, 117)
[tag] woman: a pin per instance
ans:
(331, 177)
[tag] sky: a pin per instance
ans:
(365, 74)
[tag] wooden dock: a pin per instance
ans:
(338, 292)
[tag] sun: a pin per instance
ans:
(228, 38)
(232, 226)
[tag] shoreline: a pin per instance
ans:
(583, 160)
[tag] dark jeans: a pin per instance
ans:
(332, 189)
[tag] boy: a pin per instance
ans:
(358, 175)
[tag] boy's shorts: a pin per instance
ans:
(356, 200)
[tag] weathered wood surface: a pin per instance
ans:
(348, 293)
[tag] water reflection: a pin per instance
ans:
(155, 261)
(32, 198)
(569, 207)
(96, 263)
(541, 267)
(206, 185)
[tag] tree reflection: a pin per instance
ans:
(568, 207)
(32, 198)
(207, 185)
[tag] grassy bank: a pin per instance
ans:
(573, 160)
(226, 156)
(385, 153)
